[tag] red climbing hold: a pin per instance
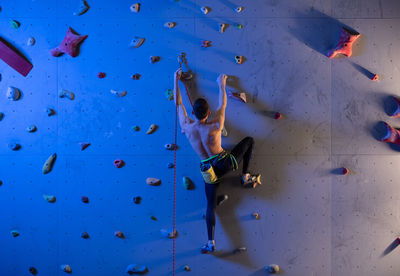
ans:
(85, 199)
(119, 163)
(101, 75)
(344, 171)
(392, 135)
(345, 44)
(277, 115)
(205, 43)
(136, 76)
(69, 45)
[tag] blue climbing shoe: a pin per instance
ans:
(208, 248)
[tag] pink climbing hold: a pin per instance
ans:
(119, 163)
(101, 75)
(277, 115)
(238, 96)
(392, 135)
(69, 45)
(345, 44)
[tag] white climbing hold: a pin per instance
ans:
(153, 181)
(170, 146)
(273, 268)
(151, 129)
(205, 10)
(66, 94)
(13, 93)
(224, 132)
(238, 9)
(31, 41)
(66, 268)
(48, 165)
(238, 96)
(170, 25)
(49, 198)
(137, 42)
(83, 7)
(118, 93)
(169, 233)
(222, 27)
(135, 7)
(14, 233)
(138, 269)
(31, 128)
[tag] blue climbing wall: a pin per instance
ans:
(313, 221)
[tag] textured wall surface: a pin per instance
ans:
(313, 222)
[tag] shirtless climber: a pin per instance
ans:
(205, 138)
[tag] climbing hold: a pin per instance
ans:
(187, 183)
(118, 93)
(136, 76)
(239, 26)
(85, 235)
(344, 171)
(15, 24)
(169, 94)
(134, 268)
(66, 268)
(83, 7)
(395, 113)
(277, 115)
(221, 199)
(239, 59)
(69, 45)
(222, 27)
(186, 76)
(153, 218)
(33, 270)
(136, 128)
(137, 199)
(1, 182)
(205, 43)
(151, 129)
(238, 9)
(170, 233)
(119, 163)
(345, 44)
(186, 268)
(256, 216)
(224, 132)
(14, 146)
(84, 145)
(154, 59)
(50, 111)
(48, 165)
(170, 165)
(14, 233)
(170, 25)
(31, 41)
(31, 128)
(170, 146)
(119, 234)
(101, 75)
(13, 93)
(240, 249)
(238, 96)
(137, 42)
(66, 94)
(153, 181)
(392, 135)
(205, 10)
(1, 116)
(273, 268)
(374, 77)
(49, 198)
(135, 7)
(85, 199)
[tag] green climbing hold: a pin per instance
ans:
(153, 218)
(238, 26)
(187, 183)
(48, 165)
(169, 94)
(14, 233)
(15, 24)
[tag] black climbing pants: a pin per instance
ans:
(221, 166)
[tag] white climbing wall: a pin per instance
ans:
(313, 221)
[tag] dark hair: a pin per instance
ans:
(200, 108)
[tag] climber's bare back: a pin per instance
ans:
(205, 138)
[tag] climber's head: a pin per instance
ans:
(201, 109)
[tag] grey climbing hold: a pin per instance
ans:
(48, 165)
(170, 146)
(85, 235)
(138, 269)
(66, 268)
(224, 132)
(50, 111)
(31, 41)
(14, 146)
(153, 181)
(118, 93)
(84, 145)
(83, 7)
(240, 249)
(1, 116)
(135, 7)
(49, 198)
(273, 268)
(187, 183)
(169, 233)
(136, 42)
(14, 233)
(151, 129)
(66, 94)
(31, 128)
(13, 93)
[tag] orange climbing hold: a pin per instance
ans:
(205, 43)
(345, 44)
